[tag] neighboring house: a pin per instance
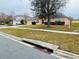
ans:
(18, 19)
(15, 19)
(62, 18)
(66, 20)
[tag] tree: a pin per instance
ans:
(9, 20)
(23, 22)
(47, 8)
(6, 19)
(39, 9)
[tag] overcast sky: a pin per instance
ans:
(23, 6)
(72, 9)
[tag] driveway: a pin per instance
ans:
(13, 49)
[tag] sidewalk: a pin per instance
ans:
(55, 31)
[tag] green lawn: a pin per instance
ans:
(66, 42)
(74, 27)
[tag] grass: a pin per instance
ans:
(66, 42)
(74, 27)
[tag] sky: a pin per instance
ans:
(17, 6)
(72, 9)
(24, 6)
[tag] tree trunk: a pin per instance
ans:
(42, 21)
(48, 13)
(48, 21)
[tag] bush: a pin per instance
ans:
(9, 23)
(59, 23)
(22, 22)
(55, 23)
(45, 23)
(51, 23)
(33, 23)
(2, 23)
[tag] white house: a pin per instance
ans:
(17, 19)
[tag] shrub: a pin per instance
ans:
(55, 23)
(59, 23)
(33, 23)
(22, 22)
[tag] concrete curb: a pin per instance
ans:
(58, 52)
(66, 54)
(47, 46)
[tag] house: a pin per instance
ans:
(61, 17)
(14, 19)
(18, 18)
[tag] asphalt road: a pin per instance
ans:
(10, 49)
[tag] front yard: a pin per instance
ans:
(66, 42)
